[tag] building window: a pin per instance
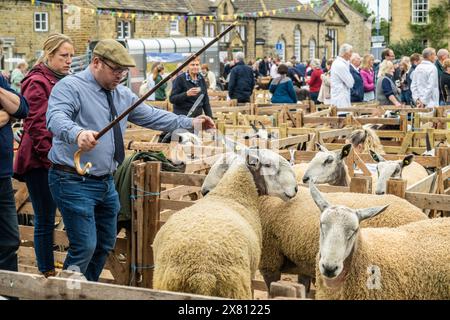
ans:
(41, 21)
(281, 49)
(123, 29)
(241, 30)
(420, 11)
(209, 30)
(332, 34)
(225, 38)
(312, 49)
(174, 27)
(298, 44)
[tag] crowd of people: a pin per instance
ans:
(418, 80)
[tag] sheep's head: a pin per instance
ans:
(188, 138)
(386, 170)
(272, 174)
(339, 226)
(327, 166)
(259, 133)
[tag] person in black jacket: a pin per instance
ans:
(357, 92)
(445, 82)
(11, 105)
(187, 88)
(242, 81)
(264, 67)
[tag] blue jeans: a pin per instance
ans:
(44, 217)
(9, 227)
(89, 208)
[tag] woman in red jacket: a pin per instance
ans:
(315, 82)
(31, 163)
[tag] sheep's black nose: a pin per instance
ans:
(296, 189)
(329, 271)
(380, 193)
(205, 192)
(305, 179)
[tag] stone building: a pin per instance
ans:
(404, 13)
(266, 27)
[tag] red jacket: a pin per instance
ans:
(316, 81)
(36, 140)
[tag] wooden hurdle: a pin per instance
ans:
(69, 286)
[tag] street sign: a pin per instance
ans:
(378, 39)
(278, 46)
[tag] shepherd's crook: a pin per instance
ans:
(77, 155)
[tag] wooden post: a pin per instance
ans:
(283, 130)
(333, 111)
(403, 122)
(440, 113)
(361, 185)
(397, 187)
(137, 208)
(299, 118)
(150, 220)
(442, 153)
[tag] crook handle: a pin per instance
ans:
(76, 160)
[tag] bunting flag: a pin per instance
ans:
(161, 16)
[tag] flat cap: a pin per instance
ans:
(115, 52)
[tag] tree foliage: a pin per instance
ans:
(360, 6)
(407, 47)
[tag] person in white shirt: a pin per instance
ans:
(274, 68)
(425, 83)
(341, 80)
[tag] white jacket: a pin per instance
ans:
(425, 84)
(341, 82)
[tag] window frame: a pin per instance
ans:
(312, 49)
(121, 30)
(333, 33)
(420, 15)
(207, 28)
(298, 44)
(35, 21)
(177, 31)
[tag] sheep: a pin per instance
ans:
(214, 247)
(330, 167)
(287, 250)
(408, 169)
(291, 234)
(406, 262)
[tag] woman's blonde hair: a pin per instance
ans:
(368, 138)
(385, 67)
(405, 63)
(365, 62)
(52, 44)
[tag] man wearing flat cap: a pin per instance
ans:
(79, 107)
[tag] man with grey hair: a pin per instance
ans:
(425, 81)
(341, 80)
(242, 80)
(442, 55)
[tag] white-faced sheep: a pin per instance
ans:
(285, 249)
(214, 247)
(330, 167)
(291, 233)
(407, 262)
